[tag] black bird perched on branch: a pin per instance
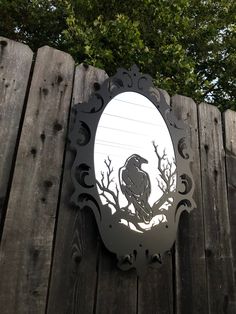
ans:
(135, 185)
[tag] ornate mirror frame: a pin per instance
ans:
(133, 249)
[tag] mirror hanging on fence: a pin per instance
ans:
(132, 167)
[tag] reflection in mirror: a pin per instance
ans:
(134, 162)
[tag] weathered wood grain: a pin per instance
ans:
(26, 248)
(117, 290)
(155, 287)
(230, 147)
(74, 272)
(190, 261)
(15, 65)
(220, 277)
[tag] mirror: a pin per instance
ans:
(134, 161)
(131, 167)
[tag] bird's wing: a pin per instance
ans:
(148, 186)
(122, 184)
(126, 183)
(145, 185)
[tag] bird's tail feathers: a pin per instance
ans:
(145, 213)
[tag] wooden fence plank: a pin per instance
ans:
(155, 288)
(190, 243)
(230, 146)
(26, 248)
(117, 290)
(221, 288)
(15, 64)
(74, 272)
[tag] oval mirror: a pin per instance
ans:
(135, 161)
(131, 167)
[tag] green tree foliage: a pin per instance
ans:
(188, 46)
(34, 22)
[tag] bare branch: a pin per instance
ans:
(104, 187)
(161, 186)
(167, 175)
(160, 165)
(164, 198)
(117, 191)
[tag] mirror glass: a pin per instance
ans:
(134, 162)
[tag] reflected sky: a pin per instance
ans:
(129, 125)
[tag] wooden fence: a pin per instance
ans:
(52, 259)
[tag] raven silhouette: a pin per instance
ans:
(135, 185)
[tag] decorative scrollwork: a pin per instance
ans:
(155, 94)
(81, 172)
(143, 82)
(114, 84)
(86, 200)
(184, 204)
(177, 124)
(128, 81)
(187, 182)
(183, 148)
(84, 134)
(80, 135)
(97, 103)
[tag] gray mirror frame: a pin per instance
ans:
(132, 249)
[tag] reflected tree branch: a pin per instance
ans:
(104, 187)
(166, 180)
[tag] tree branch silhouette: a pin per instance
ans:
(104, 186)
(167, 174)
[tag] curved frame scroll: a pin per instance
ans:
(132, 249)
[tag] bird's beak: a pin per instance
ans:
(144, 161)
